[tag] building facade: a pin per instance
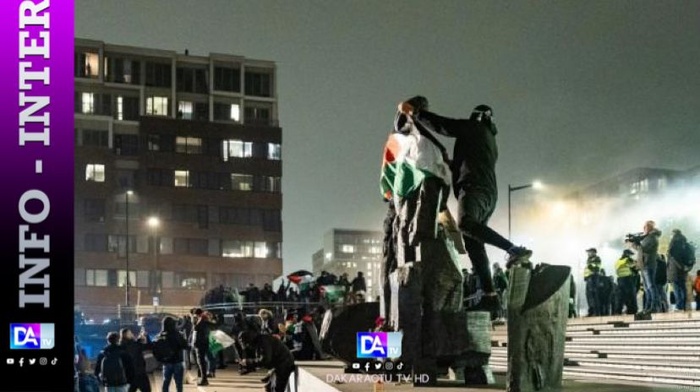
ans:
(177, 174)
(352, 251)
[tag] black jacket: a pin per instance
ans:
(475, 150)
(126, 362)
(135, 351)
(177, 342)
(275, 355)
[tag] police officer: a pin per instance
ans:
(627, 281)
(592, 277)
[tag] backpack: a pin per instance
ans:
(688, 251)
(162, 349)
(112, 371)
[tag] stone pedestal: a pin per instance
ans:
(537, 316)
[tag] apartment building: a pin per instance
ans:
(177, 174)
(352, 251)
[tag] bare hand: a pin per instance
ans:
(406, 108)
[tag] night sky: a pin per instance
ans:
(581, 89)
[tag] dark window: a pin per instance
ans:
(94, 210)
(203, 217)
(258, 115)
(161, 177)
(271, 220)
(130, 109)
(227, 79)
(191, 246)
(201, 111)
(258, 84)
(104, 104)
(120, 70)
(95, 138)
(158, 75)
(126, 144)
(95, 242)
(126, 178)
(153, 142)
(235, 215)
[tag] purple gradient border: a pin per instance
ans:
(56, 181)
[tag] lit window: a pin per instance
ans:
(237, 249)
(235, 112)
(347, 248)
(261, 251)
(184, 110)
(375, 250)
(95, 172)
(90, 65)
(120, 108)
(88, 100)
(157, 106)
(188, 145)
(241, 182)
(236, 149)
(96, 277)
(121, 278)
(182, 178)
(328, 255)
(274, 151)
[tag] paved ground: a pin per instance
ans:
(228, 380)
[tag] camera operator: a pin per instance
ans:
(647, 247)
(592, 277)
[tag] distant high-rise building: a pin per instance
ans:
(177, 174)
(352, 251)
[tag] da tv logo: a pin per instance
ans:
(379, 344)
(24, 336)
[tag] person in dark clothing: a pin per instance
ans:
(359, 286)
(591, 275)
(274, 355)
(474, 181)
(113, 348)
(253, 293)
(660, 283)
(202, 328)
(677, 272)
(135, 347)
(605, 293)
(173, 368)
(185, 329)
(266, 294)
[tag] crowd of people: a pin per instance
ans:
(642, 269)
(257, 340)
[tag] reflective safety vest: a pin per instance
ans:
(623, 267)
(592, 266)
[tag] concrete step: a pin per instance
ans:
(581, 372)
(636, 339)
(663, 357)
(685, 367)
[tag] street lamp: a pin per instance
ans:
(128, 302)
(511, 189)
(154, 224)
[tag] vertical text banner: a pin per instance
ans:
(37, 195)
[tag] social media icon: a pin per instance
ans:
(54, 361)
(399, 366)
(31, 336)
(10, 361)
(32, 361)
(389, 365)
(43, 361)
(21, 362)
(356, 365)
(366, 366)
(377, 365)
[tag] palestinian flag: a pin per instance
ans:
(409, 158)
(218, 341)
(333, 293)
(299, 276)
